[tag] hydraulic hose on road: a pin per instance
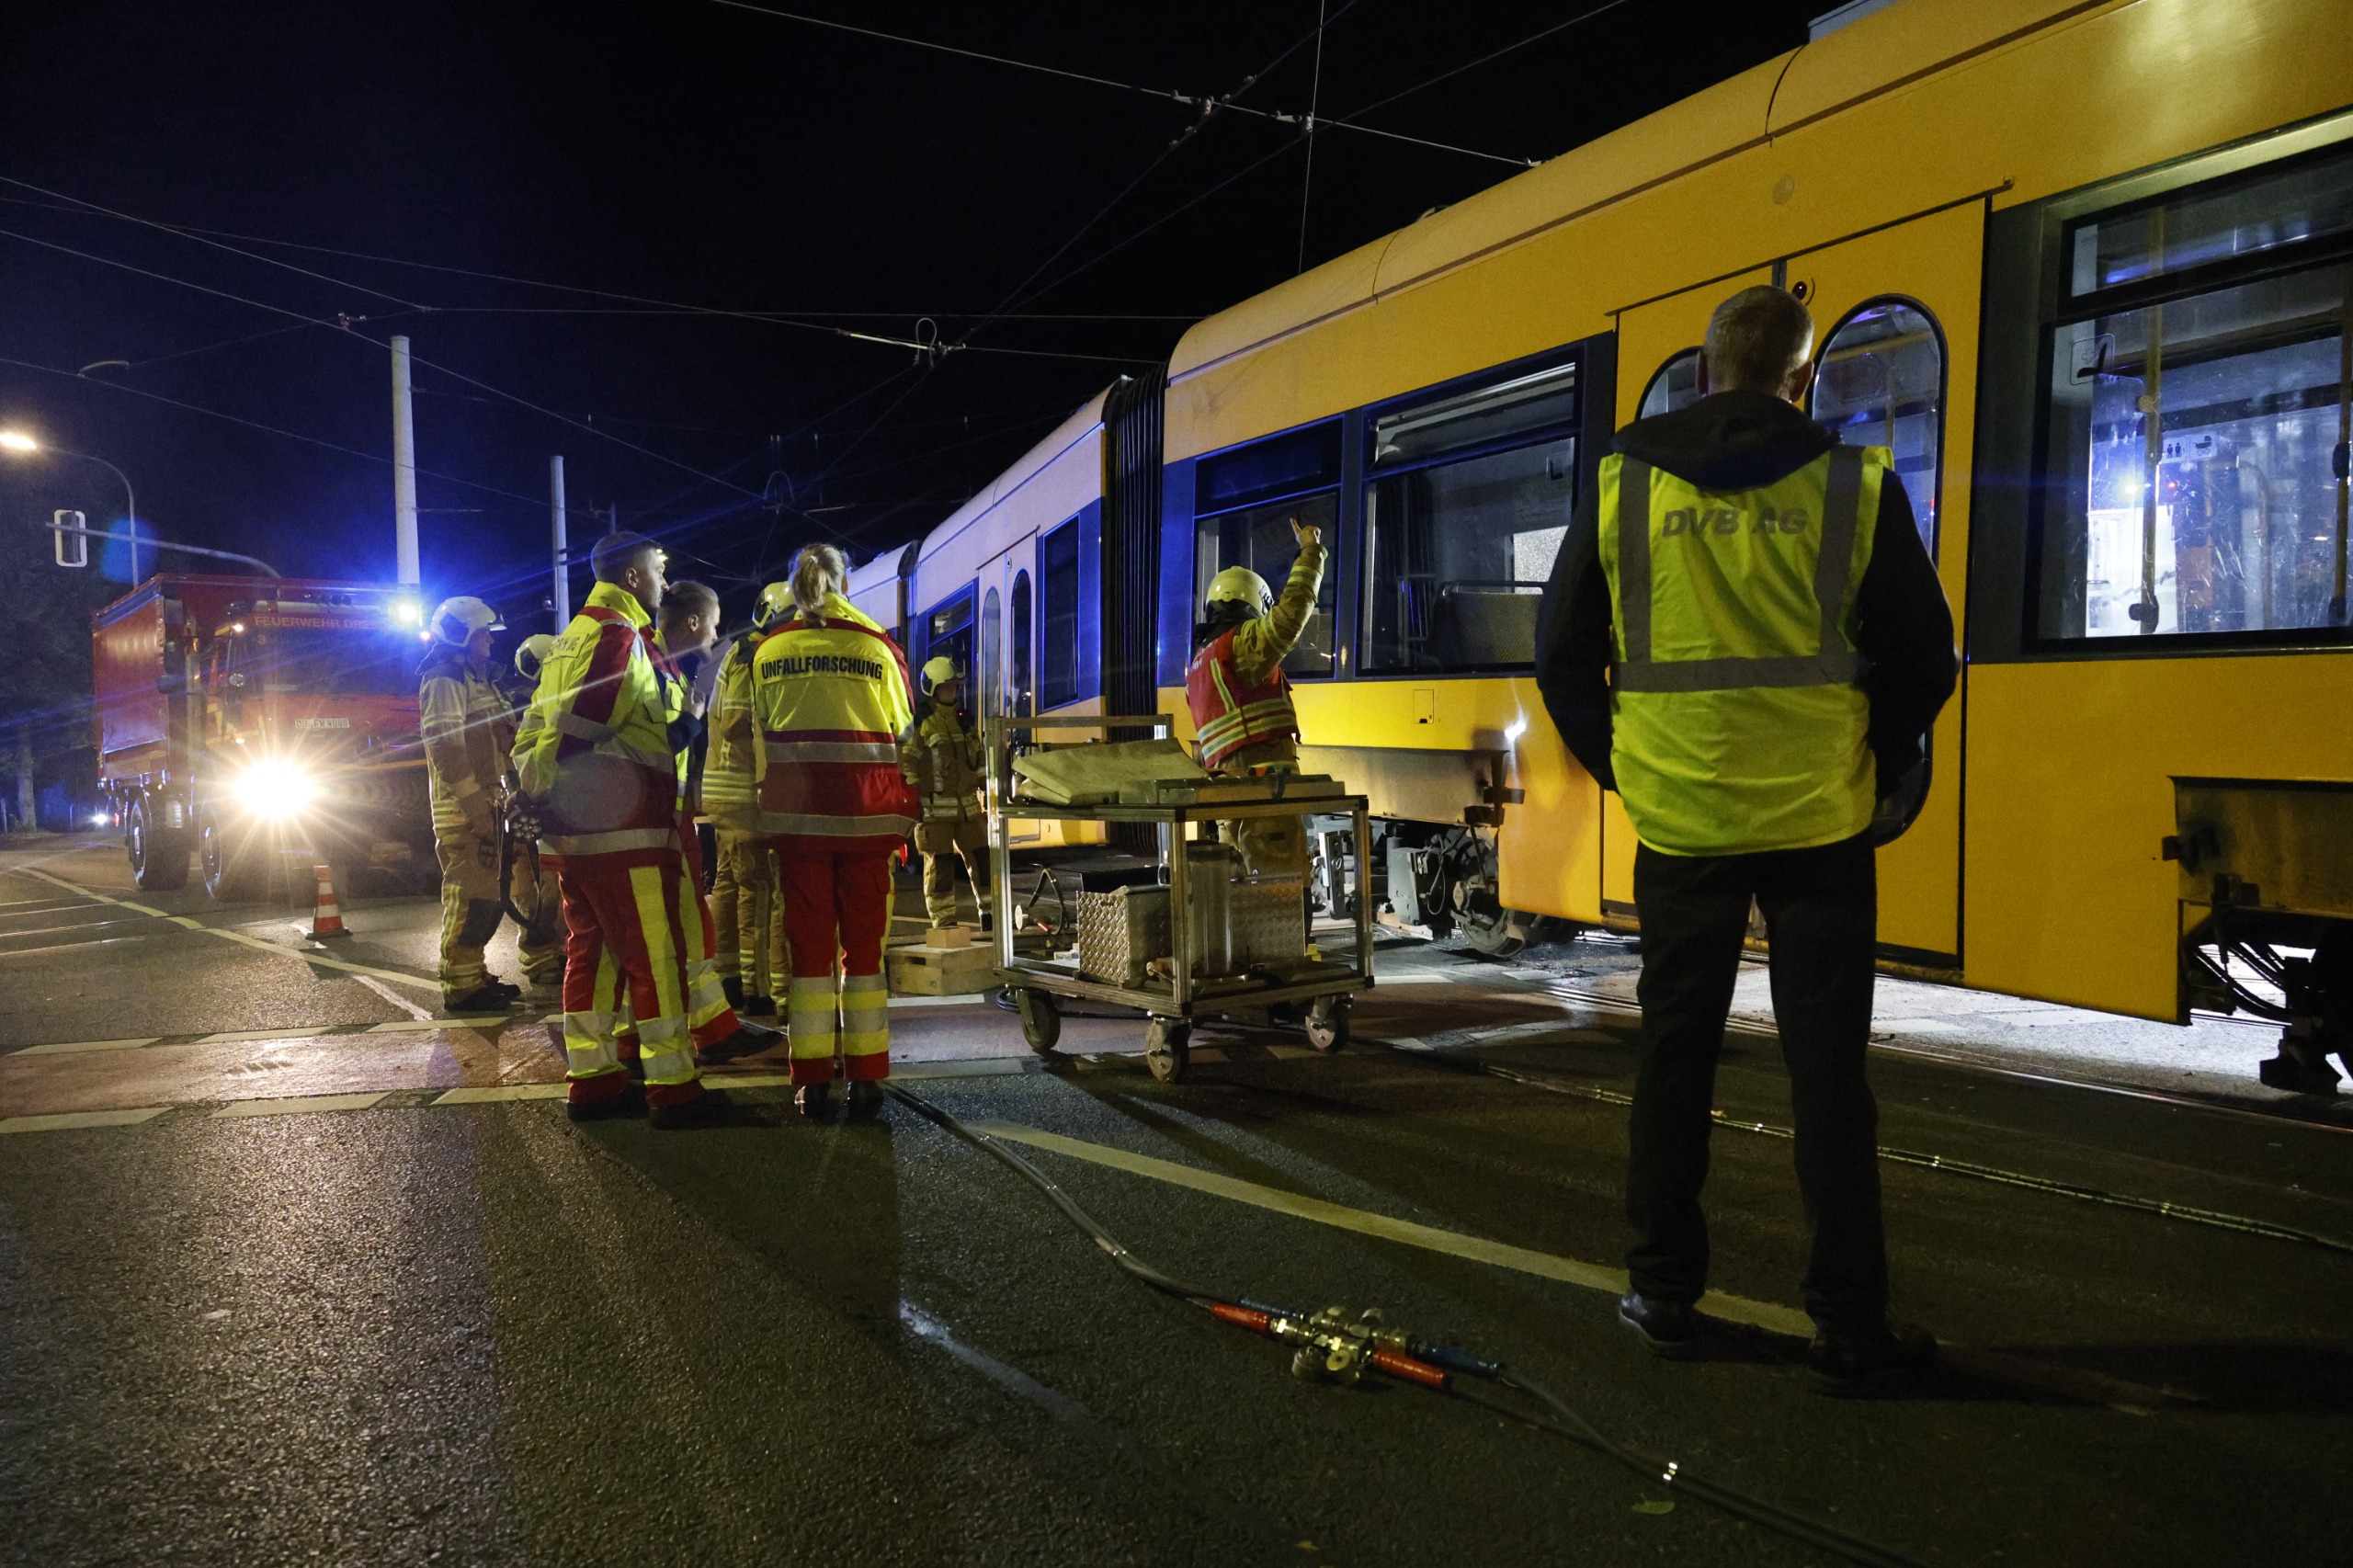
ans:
(1332, 1346)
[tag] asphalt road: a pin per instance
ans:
(358, 1293)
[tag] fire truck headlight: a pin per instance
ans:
(275, 788)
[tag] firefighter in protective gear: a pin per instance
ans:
(1240, 697)
(531, 886)
(688, 625)
(1745, 638)
(744, 902)
(595, 759)
(944, 759)
(460, 717)
(830, 689)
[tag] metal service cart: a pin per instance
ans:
(1173, 1002)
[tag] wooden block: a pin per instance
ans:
(940, 972)
(948, 936)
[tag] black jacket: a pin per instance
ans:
(1739, 440)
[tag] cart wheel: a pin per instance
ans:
(1042, 1019)
(1327, 1023)
(1166, 1050)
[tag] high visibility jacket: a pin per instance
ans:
(675, 691)
(830, 695)
(1236, 688)
(1738, 725)
(595, 748)
(946, 760)
(460, 715)
(728, 767)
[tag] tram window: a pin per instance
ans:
(1676, 385)
(987, 699)
(2224, 512)
(1881, 383)
(1461, 529)
(1018, 632)
(1260, 538)
(1058, 630)
(2285, 207)
(1280, 465)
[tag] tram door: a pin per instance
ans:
(1006, 682)
(1895, 365)
(1658, 353)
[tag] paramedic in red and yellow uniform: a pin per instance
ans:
(830, 691)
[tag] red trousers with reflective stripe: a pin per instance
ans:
(837, 901)
(625, 910)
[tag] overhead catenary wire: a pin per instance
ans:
(1191, 100)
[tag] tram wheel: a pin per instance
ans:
(1042, 1019)
(1167, 1049)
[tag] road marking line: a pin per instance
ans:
(239, 937)
(238, 1037)
(1456, 1244)
(298, 1105)
(76, 925)
(471, 1022)
(491, 1094)
(72, 946)
(78, 1047)
(65, 1121)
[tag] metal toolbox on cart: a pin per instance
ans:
(1121, 931)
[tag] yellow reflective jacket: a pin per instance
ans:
(729, 768)
(458, 715)
(831, 693)
(595, 748)
(1738, 725)
(944, 759)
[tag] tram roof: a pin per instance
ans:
(1879, 52)
(1001, 489)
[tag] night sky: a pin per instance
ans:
(753, 185)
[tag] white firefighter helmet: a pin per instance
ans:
(457, 620)
(774, 604)
(1241, 586)
(531, 655)
(938, 672)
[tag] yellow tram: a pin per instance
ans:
(2086, 268)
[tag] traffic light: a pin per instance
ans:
(73, 545)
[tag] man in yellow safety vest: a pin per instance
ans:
(1744, 637)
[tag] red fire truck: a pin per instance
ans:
(262, 723)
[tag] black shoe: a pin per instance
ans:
(628, 1102)
(491, 998)
(734, 989)
(634, 1066)
(510, 992)
(755, 1007)
(1851, 1363)
(706, 1108)
(1668, 1329)
(815, 1101)
(746, 1040)
(865, 1099)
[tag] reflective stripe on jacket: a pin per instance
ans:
(595, 745)
(729, 770)
(1230, 711)
(832, 700)
(458, 715)
(1738, 726)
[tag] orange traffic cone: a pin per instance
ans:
(327, 920)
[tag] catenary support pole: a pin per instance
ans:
(403, 469)
(558, 547)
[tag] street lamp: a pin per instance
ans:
(17, 441)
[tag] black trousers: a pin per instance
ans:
(1821, 909)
